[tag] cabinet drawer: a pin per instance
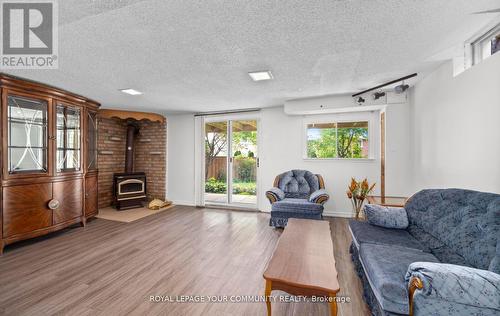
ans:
(69, 194)
(25, 208)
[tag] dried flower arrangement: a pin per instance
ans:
(357, 192)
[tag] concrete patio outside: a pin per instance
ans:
(222, 198)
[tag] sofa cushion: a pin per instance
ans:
(290, 205)
(438, 248)
(363, 232)
(385, 268)
(298, 183)
(466, 222)
(389, 217)
(495, 263)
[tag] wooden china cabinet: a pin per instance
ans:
(48, 158)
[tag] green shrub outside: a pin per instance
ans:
(214, 186)
(240, 188)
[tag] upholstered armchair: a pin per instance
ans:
(296, 194)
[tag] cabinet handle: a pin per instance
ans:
(53, 204)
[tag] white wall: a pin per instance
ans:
(281, 149)
(448, 135)
(398, 175)
(455, 128)
(180, 159)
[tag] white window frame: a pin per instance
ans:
(200, 161)
(473, 50)
(477, 45)
(355, 117)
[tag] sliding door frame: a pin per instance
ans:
(200, 178)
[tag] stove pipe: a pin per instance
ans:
(132, 130)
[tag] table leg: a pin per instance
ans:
(333, 305)
(268, 296)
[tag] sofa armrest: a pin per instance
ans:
(452, 283)
(275, 194)
(319, 197)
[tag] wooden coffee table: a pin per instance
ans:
(303, 263)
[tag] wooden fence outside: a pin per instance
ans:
(218, 168)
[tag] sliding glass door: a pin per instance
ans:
(231, 162)
(243, 161)
(216, 162)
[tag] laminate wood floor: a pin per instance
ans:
(112, 268)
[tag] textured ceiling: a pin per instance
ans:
(194, 55)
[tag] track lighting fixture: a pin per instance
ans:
(401, 88)
(360, 100)
(378, 95)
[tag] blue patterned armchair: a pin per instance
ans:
(296, 194)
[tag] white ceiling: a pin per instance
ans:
(194, 55)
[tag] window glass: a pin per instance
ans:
(68, 138)
(27, 134)
(486, 45)
(338, 140)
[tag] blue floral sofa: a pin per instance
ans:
(296, 194)
(446, 262)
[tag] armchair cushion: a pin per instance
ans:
(319, 197)
(388, 217)
(290, 205)
(456, 284)
(298, 183)
(294, 208)
(275, 194)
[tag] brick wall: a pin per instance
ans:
(149, 156)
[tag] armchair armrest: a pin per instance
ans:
(319, 196)
(275, 194)
(454, 284)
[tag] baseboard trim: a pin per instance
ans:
(184, 203)
(344, 214)
(231, 207)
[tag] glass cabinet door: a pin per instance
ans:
(68, 136)
(91, 141)
(27, 144)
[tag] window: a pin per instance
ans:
(486, 45)
(337, 140)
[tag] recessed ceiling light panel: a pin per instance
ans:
(260, 75)
(131, 91)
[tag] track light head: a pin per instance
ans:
(401, 88)
(378, 95)
(360, 100)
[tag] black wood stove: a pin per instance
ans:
(129, 188)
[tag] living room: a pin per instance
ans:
(279, 158)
